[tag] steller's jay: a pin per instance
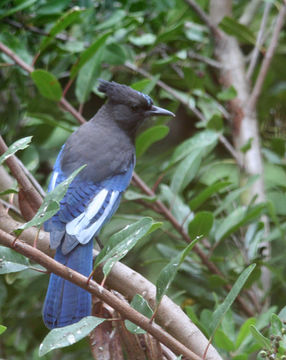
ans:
(106, 145)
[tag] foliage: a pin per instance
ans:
(194, 176)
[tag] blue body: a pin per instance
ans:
(85, 208)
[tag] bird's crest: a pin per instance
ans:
(123, 94)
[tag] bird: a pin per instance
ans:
(106, 145)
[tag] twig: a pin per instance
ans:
(267, 60)
(10, 206)
(259, 41)
(206, 19)
(204, 59)
(167, 88)
(76, 278)
(36, 30)
(63, 102)
(32, 196)
(169, 216)
(32, 178)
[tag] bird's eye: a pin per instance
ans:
(135, 107)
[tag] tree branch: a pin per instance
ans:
(97, 290)
(205, 18)
(204, 59)
(267, 59)
(63, 102)
(129, 283)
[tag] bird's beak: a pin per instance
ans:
(158, 111)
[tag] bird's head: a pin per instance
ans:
(128, 106)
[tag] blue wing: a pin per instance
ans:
(85, 208)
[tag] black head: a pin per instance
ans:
(128, 106)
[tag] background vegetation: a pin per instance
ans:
(216, 170)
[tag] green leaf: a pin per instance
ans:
(88, 76)
(244, 331)
(52, 7)
(68, 335)
(179, 209)
(146, 85)
(215, 123)
(227, 94)
(169, 272)
(141, 305)
(206, 140)
(2, 329)
(276, 325)
(23, 5)
(62, 23)
(246, 146)
(230, 298)
(261, 340)
(133, 195)
(233, 195)
(230, 223)
(89, 53)
(17, 145)
(150, 136)
(112, 20)
(223, 341)
(114, 54)
(11, 261)
(47, 84)
(8, 191)
(198, 200)
(122, 242)
(186, 171)
(238, 218)
(234, 28)
(143, 40)
(51, 203)
(201, 224)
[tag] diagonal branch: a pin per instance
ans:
(63, 102)
(206, 19)
(128, 282)
(99, 291)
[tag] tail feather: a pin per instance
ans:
(66, 303)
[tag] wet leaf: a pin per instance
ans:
(68, 335)
(11, 261)
(17, 145)
(122, 242)
(141, 305)
(169, 272)
(230, 298)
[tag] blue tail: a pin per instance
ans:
(65, 302)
